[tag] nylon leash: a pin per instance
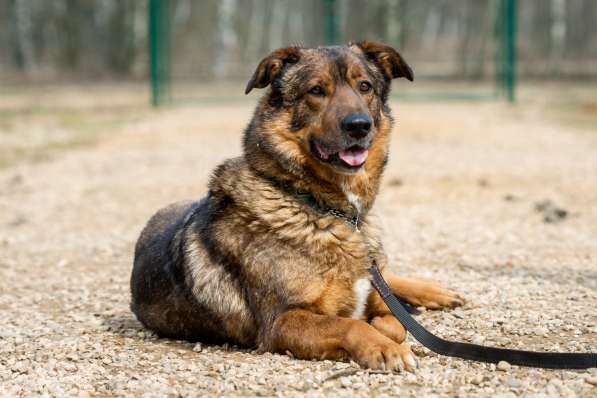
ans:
(475, 352)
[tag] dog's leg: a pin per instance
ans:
(423, 293)
(417, 292)
(308, 335)
(389, 326)
(382, 319)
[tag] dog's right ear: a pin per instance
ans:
(391, 64)
(271, 66)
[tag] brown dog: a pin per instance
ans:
(276, 255)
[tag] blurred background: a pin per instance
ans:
(117, 56)
(108, 39)
(112, 58)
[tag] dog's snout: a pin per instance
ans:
(357, 125)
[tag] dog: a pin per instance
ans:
(276, 255)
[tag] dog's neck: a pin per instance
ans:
(353, 216)
(350, 197)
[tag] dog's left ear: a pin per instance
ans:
(391, 64)
(271, 66)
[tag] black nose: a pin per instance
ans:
(356, 125)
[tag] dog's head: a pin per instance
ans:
(326, 110)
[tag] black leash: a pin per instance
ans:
(474, 352)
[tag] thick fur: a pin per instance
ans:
(252, 263)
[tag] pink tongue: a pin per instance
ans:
(354, 157)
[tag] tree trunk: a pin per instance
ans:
(22, 32)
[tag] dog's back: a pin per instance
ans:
(180, 285)
(158, 280)
(153, 279)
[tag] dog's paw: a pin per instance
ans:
(386, 355)
(432, 295)
(390, 327)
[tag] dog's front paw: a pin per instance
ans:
(431, 295)
(385, 354)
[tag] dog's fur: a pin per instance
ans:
(260, 261)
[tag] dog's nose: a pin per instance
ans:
(356, 125)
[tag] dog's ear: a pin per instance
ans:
(271, 66)
(391, 64)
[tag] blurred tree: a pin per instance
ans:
(22, 34)
(121, 36)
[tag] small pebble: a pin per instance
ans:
(503, 366)
(540, 331)
(514, 383)
(345, 382)
(477, 379)
(478, 339)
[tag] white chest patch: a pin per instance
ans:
(361, 288)
(354, 200)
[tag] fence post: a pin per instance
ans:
(505, 31)
(159, 50)
(510, 49)
(331, 22)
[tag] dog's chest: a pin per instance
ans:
(345, 285)
(361, 290)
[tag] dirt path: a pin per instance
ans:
(458, 206)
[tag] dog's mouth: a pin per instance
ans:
(351, 158)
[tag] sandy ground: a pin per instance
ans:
(458, 205)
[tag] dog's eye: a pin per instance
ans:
(365, 87)
(317, 90)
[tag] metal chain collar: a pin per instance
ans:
(353, 221)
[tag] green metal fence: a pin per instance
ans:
(160, 15)
(159, 51)
(506, 33)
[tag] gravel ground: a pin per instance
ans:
(493, 201)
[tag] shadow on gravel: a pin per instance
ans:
(125, 325)
(555, 275)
